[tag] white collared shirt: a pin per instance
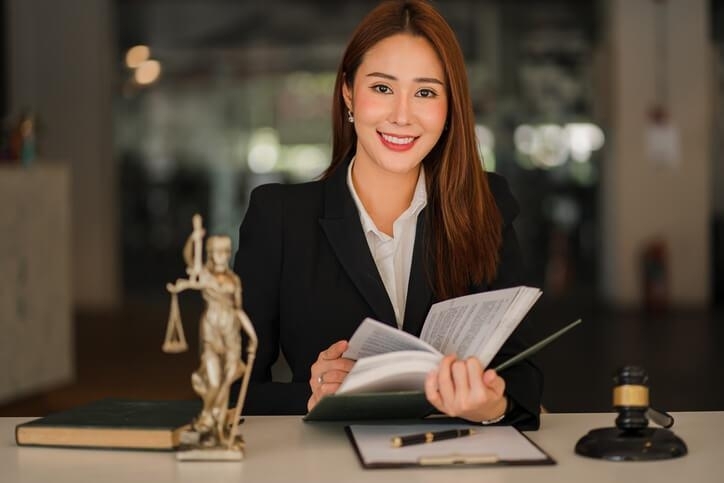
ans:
(393, 254)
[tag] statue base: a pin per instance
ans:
(209, 454)
(193, 448)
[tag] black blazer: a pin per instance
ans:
(309, 280)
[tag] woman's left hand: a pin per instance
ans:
(328, 372)
(460, 388)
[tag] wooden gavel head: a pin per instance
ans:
(631, 397)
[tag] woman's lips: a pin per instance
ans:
(397, 143)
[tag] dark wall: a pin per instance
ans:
(717, 19)
(3, 61)
(717, 34)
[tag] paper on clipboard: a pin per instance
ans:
(493, 445)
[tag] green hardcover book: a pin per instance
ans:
(391, 385)
(380, 405)
(112, 424)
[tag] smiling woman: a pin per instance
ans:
(399, 107)
(404, 216)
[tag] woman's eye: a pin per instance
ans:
(426, 93)
(382, 89)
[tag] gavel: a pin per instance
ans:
(632, 439)
(631, 400)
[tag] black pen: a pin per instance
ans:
(429, 437)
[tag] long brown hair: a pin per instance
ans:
(463, 233)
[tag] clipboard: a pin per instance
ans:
(489, 446)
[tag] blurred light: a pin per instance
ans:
(553, 147)
(304, 162)
(489, 160)
(550, 145)
(306, 157)
(526, 139)
(137, 55)
(485, 136)
(486, 146)
(584, 138)
(148, 72)
(263, 150)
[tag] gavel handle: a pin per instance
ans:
(661, 418)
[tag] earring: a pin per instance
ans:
(350, 117)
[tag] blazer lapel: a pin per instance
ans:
(419, 291)
(342, 227)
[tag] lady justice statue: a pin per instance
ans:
(214, 432)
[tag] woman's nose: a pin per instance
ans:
(400, 113)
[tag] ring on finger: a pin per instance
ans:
(320, 379)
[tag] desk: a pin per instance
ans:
(285, 449)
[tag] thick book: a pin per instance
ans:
(112, 424)
(388, 379)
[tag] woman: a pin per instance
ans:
(403, 217)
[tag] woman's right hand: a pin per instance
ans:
(328, 372)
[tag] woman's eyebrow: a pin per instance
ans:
(428, 80)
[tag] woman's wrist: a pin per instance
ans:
(506, 407)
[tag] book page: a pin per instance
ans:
(460, 325)
(373, 337)
(393, 371)
(486, 348)
(477, 324)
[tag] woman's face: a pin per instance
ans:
(399, 101)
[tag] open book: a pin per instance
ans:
(477, 325)
(388, 379)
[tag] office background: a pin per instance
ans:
(605, 116)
